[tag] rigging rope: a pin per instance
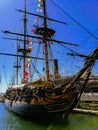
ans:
(5, 74)
(74, 20)
(51, 55)
(40, 75)
(35, 60)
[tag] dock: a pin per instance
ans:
(88, 103)
(85, 111)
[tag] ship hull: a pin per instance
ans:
(34, 111)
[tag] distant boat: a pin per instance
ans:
(52, 96)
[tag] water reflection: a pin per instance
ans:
(9, 121)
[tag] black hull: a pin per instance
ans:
(34, 111)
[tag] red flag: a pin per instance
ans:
(25, 79)
(26, 73)
(29, 42)
(27, 65)
(33, 30)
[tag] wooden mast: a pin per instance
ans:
(25, 32)
(45, 42)
(17, 66)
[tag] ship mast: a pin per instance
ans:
(25, 32)
(17, 66)
(45, 35)
(45, 42)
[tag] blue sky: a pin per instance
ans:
(83, 11)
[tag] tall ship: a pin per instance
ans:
(51, 95)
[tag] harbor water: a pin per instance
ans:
(10, 121)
